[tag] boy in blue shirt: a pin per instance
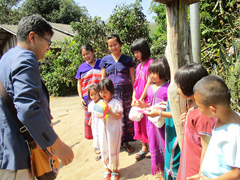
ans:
(222, 158)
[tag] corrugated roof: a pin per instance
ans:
(6, 32)
(9, 28)
(60, 32)
(65, 28)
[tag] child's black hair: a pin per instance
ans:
(106, 84)
(92, 87)
(213, 90)
(111, 36)
(142, 46)
(160, 66)
(88, 47)
(188, 75)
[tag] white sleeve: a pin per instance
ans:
(231, 149)
(117, 107)
(90, 106)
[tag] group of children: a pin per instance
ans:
(208, 114)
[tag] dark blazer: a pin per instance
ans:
(19, 73)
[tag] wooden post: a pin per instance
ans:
(178, 54)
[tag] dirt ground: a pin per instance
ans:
(69, 124)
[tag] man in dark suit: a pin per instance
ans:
(19, 73)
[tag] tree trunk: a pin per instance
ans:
(178, 54)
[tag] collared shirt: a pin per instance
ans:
(118, 71)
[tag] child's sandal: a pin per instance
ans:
(97, 150)
(107, 175)
(140, 155)
(114, 176)
(98, 158)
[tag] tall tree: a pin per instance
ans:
(93, 31)
(68, 12)
(63, 11)
(130, 23)
(160, 35)
(9, 12)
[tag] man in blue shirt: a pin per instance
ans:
(19, 73)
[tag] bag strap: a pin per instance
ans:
(9, 102)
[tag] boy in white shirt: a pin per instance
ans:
(222, 158)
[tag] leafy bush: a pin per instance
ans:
(159, 38)
(220, 35)
(92, 31)
(59, 68)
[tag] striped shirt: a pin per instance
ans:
(89, 75)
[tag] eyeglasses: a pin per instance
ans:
(49, 42)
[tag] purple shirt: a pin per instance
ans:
(118, 71)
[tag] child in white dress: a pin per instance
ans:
(93, 121)
(109, 130)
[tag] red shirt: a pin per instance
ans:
(196, 124)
